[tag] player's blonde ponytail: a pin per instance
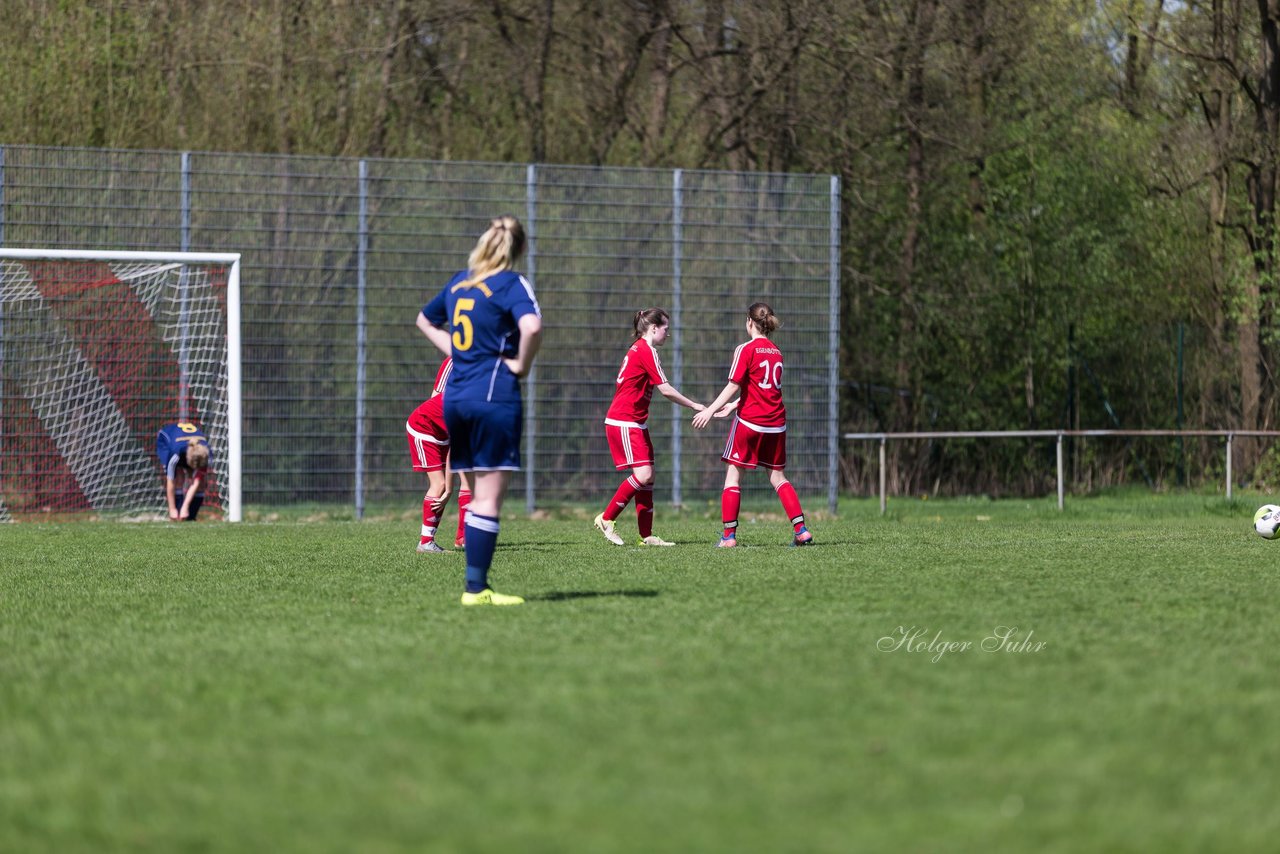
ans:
(497, 249)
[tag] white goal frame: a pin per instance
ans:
(231, 260)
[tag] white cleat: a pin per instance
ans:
(654, 540)
(429, 547)
(605, 526)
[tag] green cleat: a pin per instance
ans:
(488, 597)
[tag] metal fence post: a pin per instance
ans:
(1229, 438)
(677, 356)
(1, 195)
(2, 510)
(882, 477)
(185, 167)
(1060, 471)
(833, 347)
(184, 296)
(362, 251)
(531, 382)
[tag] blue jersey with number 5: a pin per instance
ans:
(483, 329)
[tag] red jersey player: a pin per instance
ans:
(625, 426)
(758, 435)
(429, 452)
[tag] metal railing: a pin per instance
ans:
(1058, 436)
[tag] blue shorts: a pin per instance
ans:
(484, 436)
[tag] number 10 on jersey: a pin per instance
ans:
(772, 374)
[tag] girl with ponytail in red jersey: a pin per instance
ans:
(627, 430)
(758, 434)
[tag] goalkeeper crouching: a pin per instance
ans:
(183, 451)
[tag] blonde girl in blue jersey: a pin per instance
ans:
(183, 452)
(488, 320)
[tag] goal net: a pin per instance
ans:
(98, 351)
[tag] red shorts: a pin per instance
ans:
(428, 437)
(630, 446)
(749, 448)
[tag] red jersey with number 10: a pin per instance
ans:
(640, 372)
(757, 369)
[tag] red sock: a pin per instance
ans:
(431, 510)
(791, 505)
(621, 498)
(730, 500)
(644, 511)
(464, 498)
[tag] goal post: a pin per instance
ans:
(98, 351)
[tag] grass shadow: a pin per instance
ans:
(565, 595)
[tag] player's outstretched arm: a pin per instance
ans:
(670, 393)
(704, 417)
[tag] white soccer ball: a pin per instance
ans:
(1267, 521)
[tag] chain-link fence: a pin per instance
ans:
(340, 254)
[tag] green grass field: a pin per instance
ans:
(315, 686)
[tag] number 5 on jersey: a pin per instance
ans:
(462, 329)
